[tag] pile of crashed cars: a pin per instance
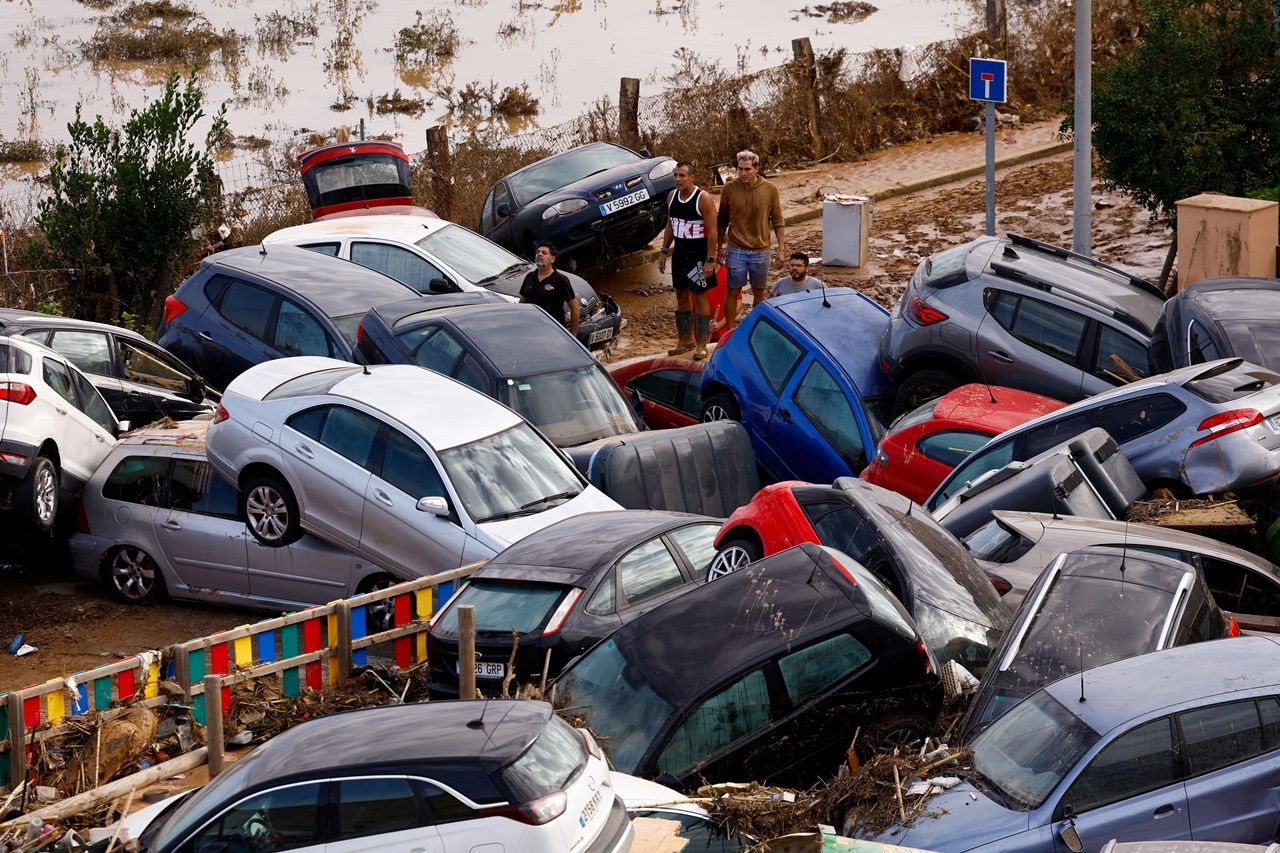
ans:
(947, 487)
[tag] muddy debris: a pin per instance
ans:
(841, 11)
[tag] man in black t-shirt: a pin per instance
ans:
(549, 289)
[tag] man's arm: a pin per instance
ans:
(779, 227)
(722, 221)
(573, 316)
(707, 208)
(666, 245)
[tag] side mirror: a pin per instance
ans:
(855, 459)
(195, 387)
(645, 152)
(122, 427)
(442, 285)
(1071, 838)
(504, 211)
(435, 505)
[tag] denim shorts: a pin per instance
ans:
(747, 266)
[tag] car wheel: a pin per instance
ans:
(38, 494)
(270, 511)
(720, 407)
(133, 576)
(922, 386)
(733, 555)
(380, 615)
(902, 731)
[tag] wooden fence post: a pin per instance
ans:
(629, 112)
(17, 742)
(466, 651)
(997, 25)
(802, 52)
(343, 612)
(215, 740)
(441, 171)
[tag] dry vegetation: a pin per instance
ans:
(159, 31)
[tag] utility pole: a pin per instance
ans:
(1082, 204)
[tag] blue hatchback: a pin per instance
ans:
(1177, 744)
(800, 373)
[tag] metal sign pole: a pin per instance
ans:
(1082, 185)
(991, 168)
(987, 83)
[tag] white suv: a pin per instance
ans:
(55, 429)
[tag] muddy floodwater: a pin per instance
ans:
(286, 66)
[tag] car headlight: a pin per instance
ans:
(569, 205)
(666, 167)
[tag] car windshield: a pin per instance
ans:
(503, 606)
(995, 542)
(549, 764)
(1025, 753)
(555, 172)
(179, 821)
(571, 407)
(918, 415)
(471, 256)
(509, 474)
(619, 705)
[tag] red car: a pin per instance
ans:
(670, 388)
(921, 447)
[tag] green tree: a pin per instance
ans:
(126, 203)
(1195, 107)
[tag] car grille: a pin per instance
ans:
(608, 193)
(591, 306)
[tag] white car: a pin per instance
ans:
(402, 465)
(650, 801)
(55, 429)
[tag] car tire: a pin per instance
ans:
(380, 615)
(37, 494)
(904, 731)
(922, 386)
(720, 407)
(733, 555)
(270, 511)
(133, 576)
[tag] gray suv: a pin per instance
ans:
(1017, 312)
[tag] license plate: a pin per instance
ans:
(624, 201)
(489, 670)
(1274, 423)
(593, 805)
(600, 335)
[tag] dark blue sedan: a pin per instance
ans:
(593, 203)
(800, 373)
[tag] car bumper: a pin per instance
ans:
(617, 834)
(602, 327)
(599, 239)
(1232, 463)
(86, 551)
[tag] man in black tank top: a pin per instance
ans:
(690, 241)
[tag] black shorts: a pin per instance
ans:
(687, 273)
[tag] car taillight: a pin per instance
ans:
(1233, 627)
(360, 333)
(220, 414)
(17, 392)
(923, 313)
(925, 657)
(847, 574)
(82, 519)
(1002, 586)
(593, 748)
(556, 622)
(173, 306)
(1225, 423)
(535, 812)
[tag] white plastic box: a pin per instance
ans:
(846, 226)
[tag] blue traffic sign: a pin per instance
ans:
(987, 80)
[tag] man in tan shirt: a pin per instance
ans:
(750, 208)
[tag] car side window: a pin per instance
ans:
(1120, 358)
(1200, 344)
(298, 333)
(57, 377)
(1136, 762)
(1269, 713)
(401, 264)
(37, 335)
(604, 600)
(439, 351)
(194, 487)
(146, 367)
(1130, 419)
(736, 712)
(824, 403)
(1002, 305)
(775, 353)
(247, 307)
(952, 446)
(647, 571)
(330, 249)
(1240, 589)
(810, 671)
(501, 198)
(443, 806)
(697, 541)
(137, 480)
(91, 402)
(988, 459)
(1222, 735)
(1048, 328)
(471, 374)
(89, 351)
(662, 386)
(486, 213)
(407, 466)
(344, 431)
(1038, 440)
(280, 819)
(377, 806)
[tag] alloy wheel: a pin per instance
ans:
(729, 560)
(46, 494)
(267, 512)
(133, 574)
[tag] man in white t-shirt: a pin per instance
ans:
(798, 280)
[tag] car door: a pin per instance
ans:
(1233, 770)
(288, 817)
(1118, 359)
(670, 397)
(1138, 426)
(246, 315)
(310, 571)
(708, 741)
(296, 331)
(402, 535)
(327, 452)
(382, 813)
(83, 441)
(816, 429)
(1131, 790)
(773, 359)
(200, 533)
(155, 384)
(404, 265)
(1028, 343)
(91, 352)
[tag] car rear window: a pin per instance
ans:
(948, 551)
(320, 382)
(549, 764)
(503, 606)
(14, 360)
(1231, 381)
(946, 267)
(1257, 341)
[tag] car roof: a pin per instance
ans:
(420, 733)
(973, 404)
(407, 311)
(338, 288)
(16, 316)
(387, 226)
(1168, 678)
(185, 435)
(1125, 567)
(733, 622)
(544, 345)
(841, 333)
(1254, 299)
(574, 548)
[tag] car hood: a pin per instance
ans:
(499, 534)
(509, 285)
(959, 819)
(585, 187)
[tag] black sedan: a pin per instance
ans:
(1218, 318)
(593, 203)
(557, 592)
(141, 382)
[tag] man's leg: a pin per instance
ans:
(702, 325)
(735, 279)
(684, 321)
(758, 273)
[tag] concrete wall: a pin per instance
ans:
(1221, 235)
